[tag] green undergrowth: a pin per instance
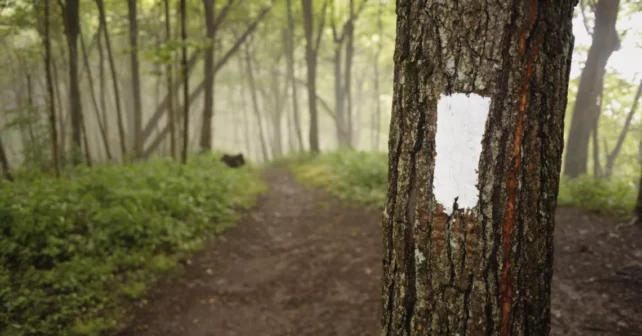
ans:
(362, 177)
(351, 175)
(77, 250)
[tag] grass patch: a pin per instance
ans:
(351, 175)
(362, 177)
(74, 251)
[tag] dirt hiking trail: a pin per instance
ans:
(304, 263)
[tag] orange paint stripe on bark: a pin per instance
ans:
(510, 214)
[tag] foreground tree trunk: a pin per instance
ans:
(586, 108)
(475, 154)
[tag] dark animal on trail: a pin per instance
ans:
(233, 161)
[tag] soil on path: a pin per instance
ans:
(304, 263)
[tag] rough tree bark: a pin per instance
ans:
(137, 120)
(475, 148)
(605, 42)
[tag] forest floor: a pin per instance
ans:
(304, 263)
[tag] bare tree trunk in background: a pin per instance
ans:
(85, 141)
(4, 162)
(376, 118)
(90, 78)
(377, 98)
(246, 119)
(605, 42)
(290, 59)
(137, 128)
(185, 73)
(171, 117)
(255, 103)
(610, 158)
(46, 39)
(114, 77)
(356, 135)
(311, 54)
(71, 21)
(208, 107)
(103, 94)
(349, 31)
(61, 119)
(638, 204)
(474, 259)
(199, 88)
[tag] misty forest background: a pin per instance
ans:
(113, 114)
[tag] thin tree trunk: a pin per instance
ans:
(246, 121)
(638, 204)
(158, 113)
(291, 74)
(171, 117)
(4, 162)
(208, 103)
(114, 77)
(185, 73)
(103, 94)
(255, 103)
(311, 52)
(61, 120)
(610, 159)
(46, 39)
(101, 125)
(474, 159)
(605, 42)
(85, 142)
(377, 100)
(348, 76)
(137, 128)
(199, 88)
(71, 13)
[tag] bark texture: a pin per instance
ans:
(485, 270)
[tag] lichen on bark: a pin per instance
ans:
(485, 270)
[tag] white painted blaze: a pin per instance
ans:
(461, 121)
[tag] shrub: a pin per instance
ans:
(74, 249)
(362, 177)
(613, 197)
(350, 175)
